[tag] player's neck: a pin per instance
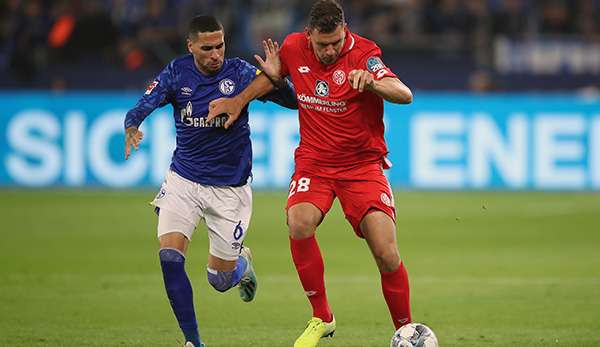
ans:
(205, 72)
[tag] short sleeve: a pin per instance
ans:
(373, 63)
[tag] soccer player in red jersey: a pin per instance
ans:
(341, 83)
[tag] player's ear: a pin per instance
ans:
(307, 33)
(189, 45)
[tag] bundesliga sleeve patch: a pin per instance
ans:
(378, 68)
(374, 64)
(151, 87)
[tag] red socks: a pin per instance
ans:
(309, 265)
(396, 293)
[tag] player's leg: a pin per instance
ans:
(303, 219)
(369, 206)
(177, 219)
(308, 201)
(227, 219)
(173, 245)
(225, 274)
(379, 231)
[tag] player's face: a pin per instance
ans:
(327, 47)
(208, 50)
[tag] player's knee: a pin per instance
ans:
(171, 255)
(387, 259)
(300, 227)
(220, 280)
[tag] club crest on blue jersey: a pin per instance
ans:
(321, 88)
(226, 86)
(374, 64)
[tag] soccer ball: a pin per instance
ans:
(414, 335)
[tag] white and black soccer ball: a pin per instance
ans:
(414, 335)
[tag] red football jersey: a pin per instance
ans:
(339, 126)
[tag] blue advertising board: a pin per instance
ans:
(441, 141)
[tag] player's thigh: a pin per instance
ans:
(176, 208)
(227, 215)
(359, 196)
(309, 199)
(173, 231)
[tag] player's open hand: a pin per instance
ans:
(133, 137)
(361, 80)
(224, 106)
(271, 65)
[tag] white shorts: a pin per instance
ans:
(225, 210)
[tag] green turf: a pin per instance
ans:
(486, 269)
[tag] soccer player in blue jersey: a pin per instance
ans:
(210, 169)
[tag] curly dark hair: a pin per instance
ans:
(325, 16)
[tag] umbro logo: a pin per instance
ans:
(311, 293)
(187, 91)
(303, 69)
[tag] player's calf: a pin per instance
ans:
(224, 280)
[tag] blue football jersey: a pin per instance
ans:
(206, 152)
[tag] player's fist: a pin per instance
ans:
(228, 106)
(361, 80)
(133, 137)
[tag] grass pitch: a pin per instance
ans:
(486, 269)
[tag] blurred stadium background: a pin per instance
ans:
(496, 168)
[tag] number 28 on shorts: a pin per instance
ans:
(302, 185)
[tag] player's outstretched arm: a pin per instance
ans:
(133, 137)
(232, 107)
(389, 88)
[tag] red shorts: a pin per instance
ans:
(359, 190)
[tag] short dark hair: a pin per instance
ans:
(204, 24)
(326, 16)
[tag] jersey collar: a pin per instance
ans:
(349, 44)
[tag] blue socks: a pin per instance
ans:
(179, 291)
(222, 281)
